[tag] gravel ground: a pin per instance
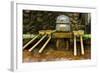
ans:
(55, 55)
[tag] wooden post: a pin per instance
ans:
(40, 51)
(30, 42)
(81, 33)
(75, 50)
(37, 43)
(82, 48)
(67, 44)
(57, 43)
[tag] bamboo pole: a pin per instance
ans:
(75, 50)
(30, 42)
(82, 48)
(37, 43)
(40, 51)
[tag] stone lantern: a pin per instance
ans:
(63, 23)
(63, 34)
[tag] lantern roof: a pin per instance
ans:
(62, 19)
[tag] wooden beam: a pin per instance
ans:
(37, 43)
